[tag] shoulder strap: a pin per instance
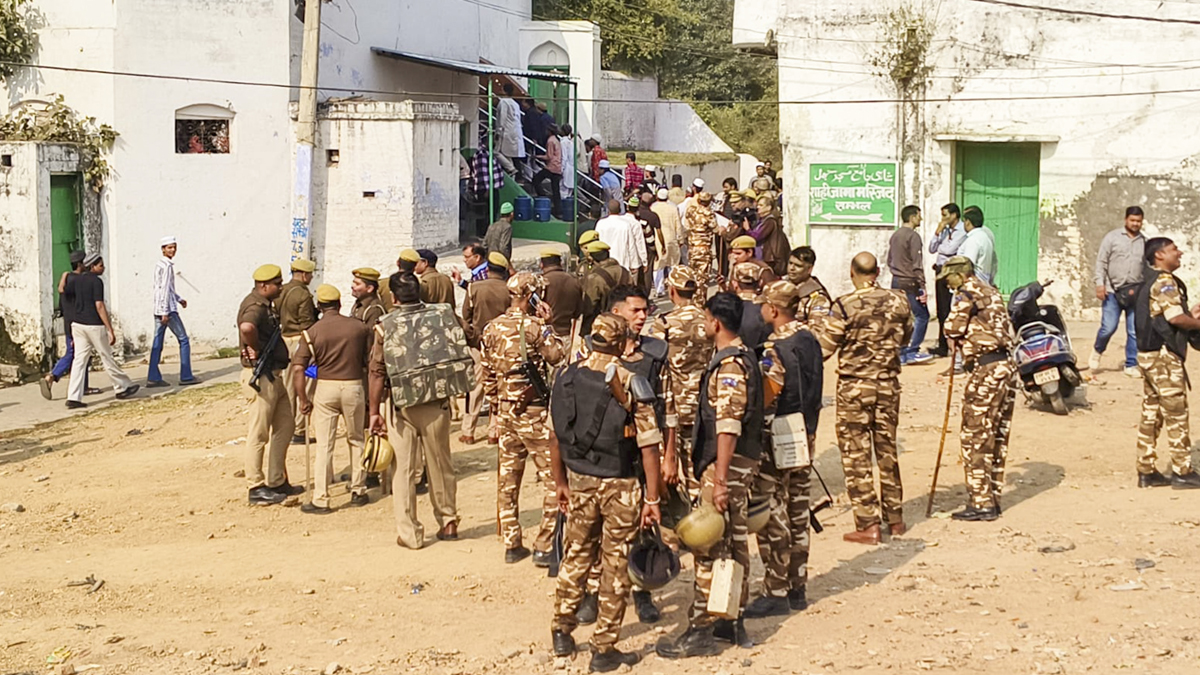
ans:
(612, 283)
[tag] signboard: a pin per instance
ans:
(852, 194)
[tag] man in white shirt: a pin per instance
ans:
(946, 239)
(166, 315)
(625, 239)
(979, 246)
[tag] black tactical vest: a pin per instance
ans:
(803, 378)
(704, 437)
(754, 331)
(590, 425)
(650, 366)
(1155, 333)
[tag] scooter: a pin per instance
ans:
(1044, 356)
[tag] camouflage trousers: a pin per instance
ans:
(867, 414)
(987, 411)
(736, 542)
(700, 259)
(783, 542)
(1164, 405)
(687, 473)
(524, 436)
(602, 522)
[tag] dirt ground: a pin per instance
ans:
(143, 496)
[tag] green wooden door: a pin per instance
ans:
(1002, 179)
(64, 223)
(556, 95)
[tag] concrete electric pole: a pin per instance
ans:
(306, 131)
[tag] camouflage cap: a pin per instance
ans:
(264, 273)
(747, 273)
(303, 265)
(682, 277)
(958, 264)
(526, 283)
(704, 198)
(609, 332)
(780, 294)
(327, 293)
(745, 241)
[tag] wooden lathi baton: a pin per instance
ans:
(942, 443)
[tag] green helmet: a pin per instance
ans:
(758, 513)
(702, 528)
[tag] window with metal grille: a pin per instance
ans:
(203, 129)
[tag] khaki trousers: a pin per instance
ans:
(270, 425)
(410, 429)
(90, 339)
(293, 343)
(331, 400)
(475, 400)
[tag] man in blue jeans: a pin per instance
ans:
(166, 314)
(1119, 269)
(66, 304)
(905, 259)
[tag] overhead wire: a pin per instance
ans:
(1092, 13)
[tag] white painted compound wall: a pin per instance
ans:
(631, 115)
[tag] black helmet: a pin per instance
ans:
(652, 564)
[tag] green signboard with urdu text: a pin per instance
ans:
(852, 194)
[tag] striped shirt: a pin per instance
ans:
(166, 300)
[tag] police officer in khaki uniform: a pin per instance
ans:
(597, 485)
(585, 261)
(605, 275)
(869, 327)
(338, 345)
(405, 264)
(511, 340)
(270, 421)
(296, 314)
(368, 308)
(486, 299)
(436, 288)
(564, 294)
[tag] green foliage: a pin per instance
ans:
(687, 45)
(903, 56)
(56, 122)
(18, 41)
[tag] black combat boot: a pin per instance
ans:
(973, 514)
(693, 642)
(1153, 479)
(564, 645)
(606, 662)
(768, 605)
(797, 600)
(1185, 481)
(588, 610)
(646, 611)
(733, 632)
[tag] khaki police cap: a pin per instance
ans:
(957, 265)
(410, 255)
(497, 259)
(780, 294)
(587, 237)
(327, 293)
(550, 252)
(609, 332)
(743, 242)
(747, 273)
(525, 283)
(303, 265)
(367, 274)
(266, 273)
(594, 246)
(682, 277)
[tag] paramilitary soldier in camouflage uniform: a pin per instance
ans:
(727, 446)
(869, 326)
(605, 275)
(747, 281)
(296, 314)
(815, 300)
(700, 223)
(1163, 327)
(645, 356)
(602, 495)
(793, 374)
(689, 348)
(419, 361)
(978, 323)
(513, 344)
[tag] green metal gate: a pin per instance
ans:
(556, 95)
(1002, 179)
(64, 223)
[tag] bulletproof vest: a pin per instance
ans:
(754, 331)
(704, 436)
(590, 425)
(803, 377)
(650, 366)
(426, 354)
(1155, 333)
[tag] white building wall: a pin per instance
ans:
(25, 289)
(580, 41)
(1099, 154)
(631, 115)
